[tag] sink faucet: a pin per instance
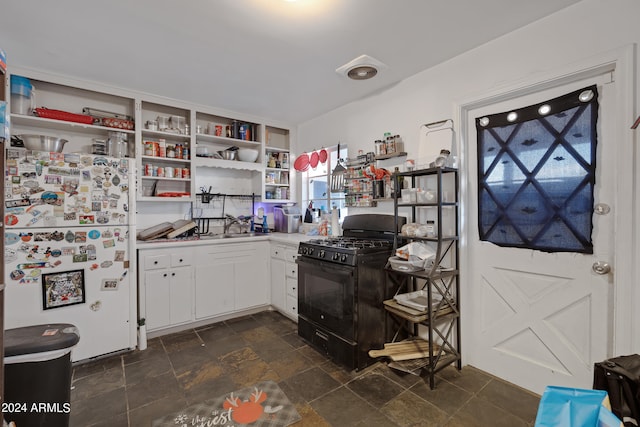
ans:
(229, 220)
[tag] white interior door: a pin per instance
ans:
(537, 318)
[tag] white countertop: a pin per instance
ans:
(286, 238)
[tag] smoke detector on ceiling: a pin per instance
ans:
(362, 68)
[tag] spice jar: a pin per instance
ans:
(171, 151)
(442, 159)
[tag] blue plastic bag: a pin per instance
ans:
(574, 407)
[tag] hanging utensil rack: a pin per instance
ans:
(205, 198)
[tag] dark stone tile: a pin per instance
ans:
(242, 324)
(290, 364)
(258, 335)
(232, 361)
(481, 413)
(268, 316)
(273, 349)
(185, 358)
(96, 384)
(99, 408)
(469, 378)
(342, 407)
(210, 389)
(225, 345)
(375, 388)
(310, 418)
(282, 325)
(294, 397)
(338, 372)
(312, 354)
(513, 399)
(89, 367)
(153, 389)
(212, 333)
(445, 396)
(294, 339)
(405, 379)
(144, 415)
(312, 383)
(181, 340)
(143, 370)
(154, 349)
(253, 371)
(408, 409)
(200, 373)
(375, 419)
(120, 420)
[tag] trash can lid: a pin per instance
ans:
(39, 338)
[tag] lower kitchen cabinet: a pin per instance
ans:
(284, 279)
(230, 277)
(166, 279)
(183, 285)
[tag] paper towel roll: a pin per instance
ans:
(335, 224)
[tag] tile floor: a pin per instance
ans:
(189, 367)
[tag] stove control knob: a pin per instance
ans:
(310, 251)
(304, 251)
(335, 256)
(343, 258)
(321, 254)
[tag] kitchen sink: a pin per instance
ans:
(225, 236)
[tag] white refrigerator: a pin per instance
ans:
(67, 248)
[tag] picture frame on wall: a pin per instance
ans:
(62, 289)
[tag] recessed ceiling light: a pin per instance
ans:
(362, 73)
(512, 116)
(362, 68)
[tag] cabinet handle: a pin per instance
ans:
(155, 262)
(294, 288)
(164, 275)
(180, 260)
(173, 274)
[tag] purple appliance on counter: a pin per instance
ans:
(341, 287)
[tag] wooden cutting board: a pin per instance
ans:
(156, 231)
(404, 350)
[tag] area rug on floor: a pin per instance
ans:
(261, 405)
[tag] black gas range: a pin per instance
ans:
(342, 250)
(341, 287)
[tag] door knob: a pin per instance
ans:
(601, 267)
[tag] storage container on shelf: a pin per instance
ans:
(22, 95)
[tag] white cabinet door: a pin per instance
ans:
(278, 283)
(180, 294)
(168, 297)
(251, 278)
(214, 287)
(158, 299)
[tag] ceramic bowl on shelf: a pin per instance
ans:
(247, 155)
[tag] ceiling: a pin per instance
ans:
(268, 58)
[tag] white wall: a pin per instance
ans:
(571, 36)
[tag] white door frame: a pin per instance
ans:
(626, 206)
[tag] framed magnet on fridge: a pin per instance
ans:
(62, 289)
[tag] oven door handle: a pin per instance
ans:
(322, 335)
(326, 267)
